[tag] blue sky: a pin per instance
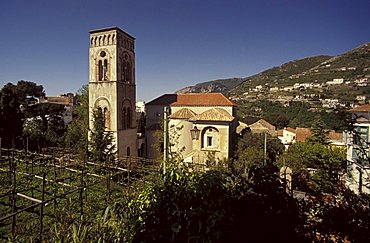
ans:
(178, 42)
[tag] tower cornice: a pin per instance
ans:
(110, 29)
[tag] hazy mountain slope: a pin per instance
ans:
(220, 85)
(350, 65)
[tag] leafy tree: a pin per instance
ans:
(250, 151)
(24, 89)
(278, 119)
(34, 130)
(77, 130)
(174, 150)
(11, 119)
(250, 158)
(319, 134)
(217, 207)
(52, 125)
(346, 216)
(101, 144)
(326, 161)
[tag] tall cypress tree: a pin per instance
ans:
(319, 135)
(101, 144)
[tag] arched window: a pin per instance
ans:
(128, 152)
(105, 70)
(127, 72)
(129, 117)
(106, 118)
(100, 70)
(124, 115)
(140, 151)
(210, 138)
(126, 69)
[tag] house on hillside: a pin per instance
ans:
(289, 136)
(358, 152)
(201, 126)
(262, 126)
(335, 81)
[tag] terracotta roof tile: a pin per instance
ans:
(262, 124)
(266, 124)
(302, 134)
(183, 113)
(335, 135)
(215, 114)
(280, 132)
(289, 129)
(202, 99)
(193, 99)
(361, 108)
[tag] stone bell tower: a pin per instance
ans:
(112, 85)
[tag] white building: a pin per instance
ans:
(358, 152)
(336, 81)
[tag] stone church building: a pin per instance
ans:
(213, 117)
(112, 85)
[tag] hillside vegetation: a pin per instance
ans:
(317, 69)
(214, 86)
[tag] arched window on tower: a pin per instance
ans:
(100, 70)
(129, 117)
(105, 70)
(122, 70)
(127, 72)
(106, 118)
(124, 125)
(103, 67)
(126, 69)
(128, 152)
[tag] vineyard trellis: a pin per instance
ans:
(31, 181)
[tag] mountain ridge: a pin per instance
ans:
(321, 68)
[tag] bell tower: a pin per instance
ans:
(112, 85)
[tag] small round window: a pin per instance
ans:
(103, 54)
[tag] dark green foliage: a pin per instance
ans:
(101, 147)
(44, 126)
(11, 117)
(327, 163)
(344, 215)
(250, 151)
(319, 135)
(297, 114)
(219, 207)
(26, 89)
(77, 131)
